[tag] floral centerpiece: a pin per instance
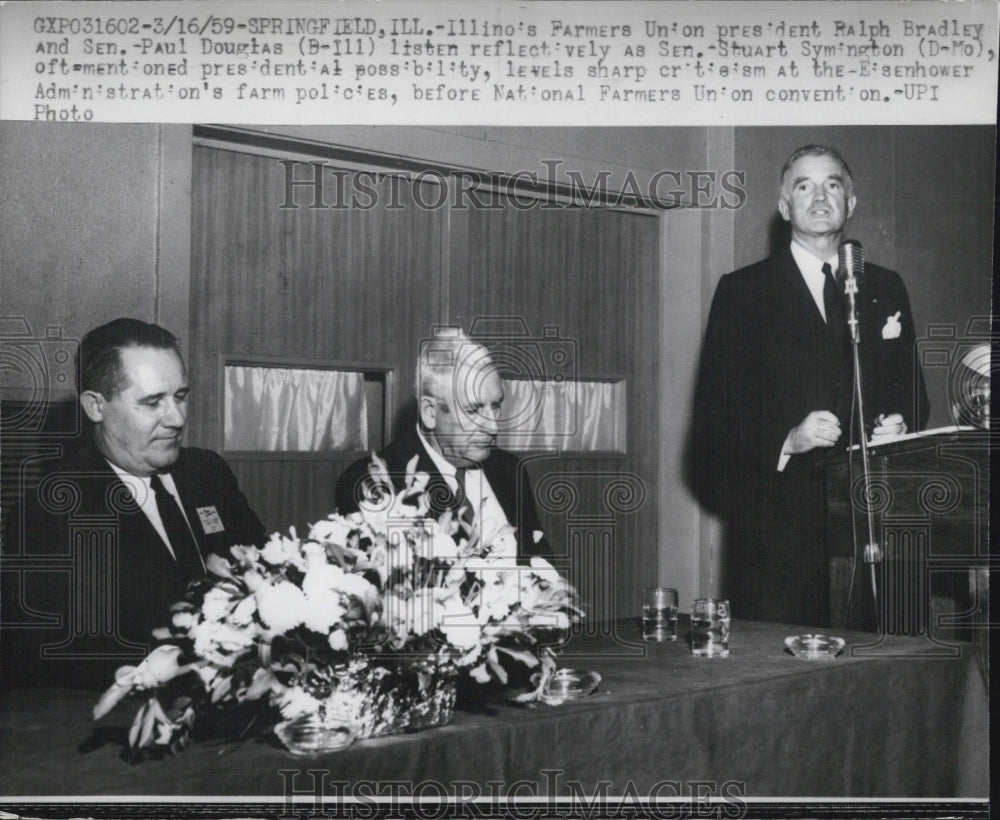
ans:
(363, 624)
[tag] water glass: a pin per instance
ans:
(659, 614)
(710, 628)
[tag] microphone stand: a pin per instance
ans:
(873, 554)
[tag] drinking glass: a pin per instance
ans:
(710, 628)
(659, 614)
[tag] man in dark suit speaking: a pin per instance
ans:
(110, 538)
(459, 399)
(775, 387)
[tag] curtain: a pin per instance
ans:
(580, 416)
(274, 409)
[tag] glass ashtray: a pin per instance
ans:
(569, 684)
(815, 647)
(310, 735)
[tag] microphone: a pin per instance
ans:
(850, 266)
(850, 261)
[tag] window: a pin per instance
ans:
(571, 415)
(303, 407)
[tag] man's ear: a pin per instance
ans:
(851, 202)
(783, 208)
(92, 403)
(427, 407)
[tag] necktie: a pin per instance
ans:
(833, 304)
(463, 506)
(185, 549)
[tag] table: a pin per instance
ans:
(878, 721)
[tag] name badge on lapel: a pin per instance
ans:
(210, 521)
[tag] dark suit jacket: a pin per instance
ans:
(503, 470)
(769, 360)
(86, 577)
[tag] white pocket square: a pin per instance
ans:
(892, 327)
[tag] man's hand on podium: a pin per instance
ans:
(891, 425)
(820, 428)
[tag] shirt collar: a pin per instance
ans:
(444, 466)
(808, 262)
(133, 481)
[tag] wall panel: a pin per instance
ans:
(365, 284)
(355, 284)
(588, 275)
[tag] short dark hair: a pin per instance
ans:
(815, 151)
(100, 352)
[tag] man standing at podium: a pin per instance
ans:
(774, 393)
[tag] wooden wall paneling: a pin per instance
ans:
(336, 283)
(592, 274)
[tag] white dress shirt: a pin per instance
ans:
(141, 490)
(811, 268)
(478, 491)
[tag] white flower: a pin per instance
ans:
(217, 565)
(324, 610)
(416, 615)
(361, 588)
(281, 550)
(544, 570)
(459, 624)
(322, 577)
(334, 529)
(504, 543)
(375, 514)
(281, 606)
(378, 559)
(242, 614)
(295, 702)
(183, 619)
(231, 638)
(156, 668)
(399, 555)
(315, 555)
(247, 556)
(549, 620)
(263, 681)
(480, 673)
(442, 546)
(497, 598)
(216, 604)
(419, 482)
(207, 637)
(471, 655)
(208, 674)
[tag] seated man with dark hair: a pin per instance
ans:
(96, 554)
(459, 397)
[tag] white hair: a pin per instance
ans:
(441, 359)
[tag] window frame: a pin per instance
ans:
(383, 372)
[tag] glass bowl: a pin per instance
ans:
(815, 647)
(569, 684)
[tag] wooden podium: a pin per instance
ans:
(930, 503)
